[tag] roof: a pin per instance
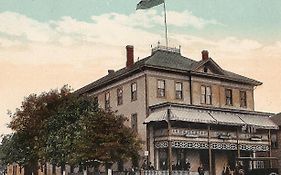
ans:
(276, 119)
(164, 60)
(198, 115)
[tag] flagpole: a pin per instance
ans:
(165, 21)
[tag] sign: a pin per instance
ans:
(146, 153)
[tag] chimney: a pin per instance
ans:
(205, 55)
(130, 56)
(110, 71)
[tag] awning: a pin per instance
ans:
(227, 118)
(258, 121)
(160, 115)
(213, 117)
(195, 116)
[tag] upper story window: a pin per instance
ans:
(119, 96)
(206, 95)
(134, 122)
(161, 88)
(228, 97)
(179, 94)
(107, 100)
(243, 99)
(134, 91)
(96, 99)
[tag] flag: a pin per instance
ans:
(146, 4)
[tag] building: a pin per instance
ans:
(198, 111)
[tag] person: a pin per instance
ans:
(150, 166)
(201, 170)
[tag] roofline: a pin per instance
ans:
(169, 104)
(159, 68)
(221, 77)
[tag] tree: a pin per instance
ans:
(28, 125)
(83, 134)
(62, 128)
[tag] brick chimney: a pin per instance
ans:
(205, 55)
(130, 56)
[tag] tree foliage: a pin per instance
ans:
(61, 127)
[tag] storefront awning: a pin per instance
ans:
(195, 116)
(258, 121)
(227, 118)
(212, 117)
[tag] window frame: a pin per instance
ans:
(134, 93)
(243, 101)
(179, 91)
(119, 97)
(161, 92)
(228, 98)
(134, 122)
(107, 101)
(205, 96)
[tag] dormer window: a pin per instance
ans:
(205, 70)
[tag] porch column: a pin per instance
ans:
(238, 147)
(151, 145)
(269, 144)
(169, 142)
(156, 159)
(210, 151)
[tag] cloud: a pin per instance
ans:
(37, 56)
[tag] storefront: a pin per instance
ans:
(212, 138)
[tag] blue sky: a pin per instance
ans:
(45, 44)
(251, 18)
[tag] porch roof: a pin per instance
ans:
(194, 115)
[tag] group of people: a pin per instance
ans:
(147, 166)
(238, 170)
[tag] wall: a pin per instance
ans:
(218, 93)
(128, 107)
(170, 80)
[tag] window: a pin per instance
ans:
(107, 100)
(119, 96)
(134, 122)
(161, 88)
(274, 143)
(228, 97)
(206, 95)
(134, 91)
(96, 99)
(179, 90)
(243, 99)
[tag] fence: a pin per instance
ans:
(143, 172)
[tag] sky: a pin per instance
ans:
(45, 44)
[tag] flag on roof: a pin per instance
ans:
(146, 4)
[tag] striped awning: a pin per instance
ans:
(212, 117)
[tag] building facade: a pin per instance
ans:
(186, 112)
